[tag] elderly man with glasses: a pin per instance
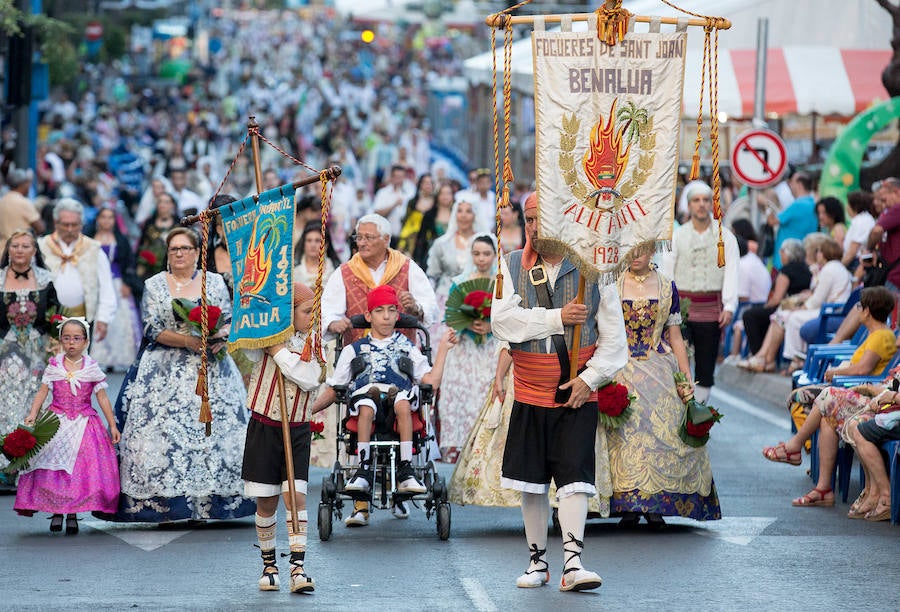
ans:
(81, 271)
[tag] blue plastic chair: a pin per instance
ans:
(729, 331)
(843, 466)
(834, 310)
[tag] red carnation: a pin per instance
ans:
(480, 301)
(57, 318)
(212, 314)
(148, 256)
(612, 399)
(698, 431)
(18, 443)
(316, 426)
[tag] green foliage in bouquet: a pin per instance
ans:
(23, 443)
(469, 301)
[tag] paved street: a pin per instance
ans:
(763, 555)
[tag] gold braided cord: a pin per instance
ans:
(507, 111)
(695, 160)
(230, 168)
(315, 330)
(202, 388)
(501, 181)
(714, 140)
(497, 177)
(282, 151)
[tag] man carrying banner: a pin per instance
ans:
(710, 290)
(553, 426)
(375, 263)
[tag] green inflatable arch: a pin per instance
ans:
(840, 174)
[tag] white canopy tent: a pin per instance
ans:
(825, 56)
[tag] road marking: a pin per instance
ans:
(145, 538)
(733, 400)
(740, 530)
(481, 601)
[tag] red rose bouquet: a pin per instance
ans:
(317, 427)
(469, 301)
(188, 314)
(148, 257)
(614, 403)
(23, 443)
(698, 416)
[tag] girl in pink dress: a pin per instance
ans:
(76, 471)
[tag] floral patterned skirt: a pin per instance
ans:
(652, 470)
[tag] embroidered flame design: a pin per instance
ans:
(603, 163)
(257, 265)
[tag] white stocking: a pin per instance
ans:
(572, 515)
(535, 514)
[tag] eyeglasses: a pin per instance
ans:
(183, 249)
(366, 237)
(72, 338)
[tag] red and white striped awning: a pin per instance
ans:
(799, 80)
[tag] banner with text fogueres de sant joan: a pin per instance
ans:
(607, 125)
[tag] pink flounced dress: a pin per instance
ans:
(76, 471)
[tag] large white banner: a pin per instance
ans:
(607, 122)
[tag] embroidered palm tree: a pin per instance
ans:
(636, 118)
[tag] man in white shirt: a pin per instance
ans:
(390, 201)
(81, 272)
(712, 291)
(483, 201)
(188, 201)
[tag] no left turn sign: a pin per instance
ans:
(759, 158)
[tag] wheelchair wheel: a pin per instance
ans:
(443, 521)
(324, 522)
(439, 489)
(328, 490)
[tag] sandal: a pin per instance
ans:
(881, 512)
(771, 453)
(857, 511)
(760, 367)
(809, 501)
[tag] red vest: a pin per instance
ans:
(356, 292)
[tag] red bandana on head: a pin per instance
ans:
(382, 295)
(529, 255)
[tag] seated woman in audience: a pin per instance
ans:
(873, 309)
(830, 284)
(833, 409)
(793, 279)
(860, 206)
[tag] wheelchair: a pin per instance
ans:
(385, 450)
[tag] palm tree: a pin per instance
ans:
(636, 118)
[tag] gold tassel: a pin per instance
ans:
(721, 258)
(695, 167)
(498, 286)
(505, 201)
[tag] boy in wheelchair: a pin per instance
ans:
(381, 369)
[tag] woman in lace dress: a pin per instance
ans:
(653, 471)
(27, 294)
(170, 469)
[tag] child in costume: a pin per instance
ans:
(264, 471)
(393, 368)
(76, 471)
